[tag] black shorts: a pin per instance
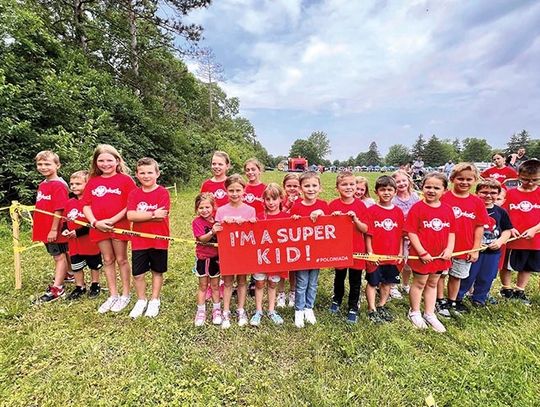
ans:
(207, 267)
(525, 260)
(149, 259)
(55, 249)
(384, 274)
(80, 261)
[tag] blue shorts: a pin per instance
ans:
(525, 260)
(384, 274)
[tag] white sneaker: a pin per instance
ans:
(107, 305)
(138, 309)
(217, 318)
(417, 320)
(242, 318)
(200, 317)
(153, 308)
(395, 294)
(432, 320)
(406, 288)
(291, 299)
(226, 320)
(310, 316)
(281, 300)
(121, 303)
(299, 319)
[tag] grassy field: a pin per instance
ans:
(67, 354)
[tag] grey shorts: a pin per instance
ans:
(460, 268)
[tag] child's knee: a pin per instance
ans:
(259, 284)
(122, 261)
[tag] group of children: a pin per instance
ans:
(454, 233)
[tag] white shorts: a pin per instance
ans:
(263, 276)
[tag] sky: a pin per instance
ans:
(378, 70)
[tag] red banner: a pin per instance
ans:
(277, 245)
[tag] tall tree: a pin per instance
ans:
(417, 150)
(320, 140)
(517, 140)
(211, 72)
(475, 149)
(398, 154)
(435, 153)
(372, 156)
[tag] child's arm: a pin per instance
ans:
(423, 254)
(478, 233)
(529, 233)
(53, 233)
(505, 235)
(315, 214)
(447, 253)
(216, 227)
(139, 216)
(360, 226)
(103, 225)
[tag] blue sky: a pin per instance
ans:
(374, 70)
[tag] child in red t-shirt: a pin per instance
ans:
(105, 206)
(207, 264)
(254, 188)
(523, 207)
(148, 208)
(384, 236)
(216, 185)
(272, 196)
(52, 196)
(82, 251)
(471, 216)
(291, 185)
(430, 225)
(307, 280)
(348, 205)
(500, 171)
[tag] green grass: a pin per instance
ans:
(66, 354)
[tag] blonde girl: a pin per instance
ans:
(362, 191)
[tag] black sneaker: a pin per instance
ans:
(94, 291)
(375, 317)
(442, 307)
(520, 296)
(507, 293)
(385, 314)
(76, 293)
(459, 307)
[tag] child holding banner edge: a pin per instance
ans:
(307, 280)
(235, 211)
(347, 204)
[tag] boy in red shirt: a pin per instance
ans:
(82, 251)
(52, 195)
(523, 207)
(471, 216)
(384, 236)
(347, 204)
(148, 208)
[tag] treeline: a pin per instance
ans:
(75, 73)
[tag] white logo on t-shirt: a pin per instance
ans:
(74, 214)
(102, 190)
(436, 224)
(524, 206)
(387, 224)
(220, 194)
(458, 213)
(145, 207)
(42, 196)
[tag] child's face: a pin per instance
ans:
(402, 183)
(253, 173)
(360, 190)
(235, 192)
(500, 198)
(205, 209)
(488, 195)
(147, 175)
(77, 185)
(47, 167)
(107, 164)
(463, 181)
(311, 188)
(498, 161)
(219, 166)
(292, 187)
(433, 189)
(347, 187)
(529, 182)
(272, 204)
(386, 194)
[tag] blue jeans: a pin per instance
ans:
(481, 275)
(306, 289)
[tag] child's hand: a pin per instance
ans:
(160, 213)
(495, 245)
(337, 213)
(104, 225)
(473, 257)
(426, 258)
(217, 227)
(315, 214)
(296, 217)
(515, 232)
(352, 215)
(253, 220)
(70, 234)
(446, 254)
(51, 236)
(529, 233)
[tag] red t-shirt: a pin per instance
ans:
(358, 207)
(305, 210)
(279, 215)
(217, 188)
(288, 202)
(469, 212)
(499, 174)
(432, 226)
(524, 211)
(51, 196)
(79, 245)
(253, 197)
(107, 196)
(141, 201)
(201, 227)
(385, 226)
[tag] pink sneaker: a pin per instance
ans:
(200, 318)
(217, 318)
